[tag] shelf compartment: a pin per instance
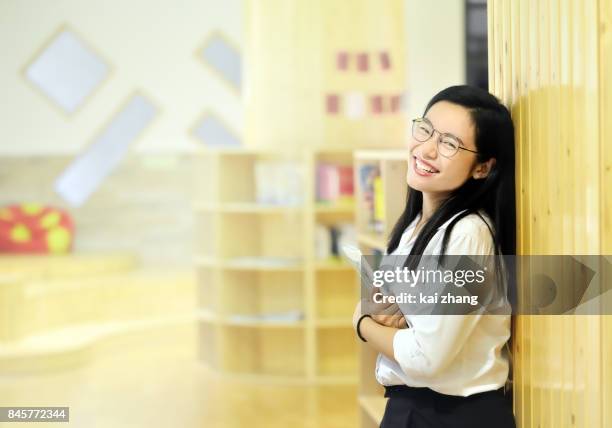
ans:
(208, 351)
(238, 176)
(337, 352)
(336, 294)
(275, 235)
(206, 232)
(389, 192)
(263, 351)
(206, 289)
(333, 195)
(247, 294)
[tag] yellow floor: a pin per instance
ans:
(155, 380)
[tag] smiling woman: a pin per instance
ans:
(451, 370)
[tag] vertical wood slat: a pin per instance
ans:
(605, 109)
(515, 90)
(566, 203)
(548, 59)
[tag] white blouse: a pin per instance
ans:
(451, 354)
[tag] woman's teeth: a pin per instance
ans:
(422, 167)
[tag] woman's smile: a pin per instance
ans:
(423, 168)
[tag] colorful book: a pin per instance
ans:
(334, 183)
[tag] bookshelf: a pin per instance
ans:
(272, 308)
(380, 192)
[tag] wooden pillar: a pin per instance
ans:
(551, 62)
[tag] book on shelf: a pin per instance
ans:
(330, 238)
(279, 182)
(334, 183)
(373, 198)
(379, 203)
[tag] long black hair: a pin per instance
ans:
(495, 194)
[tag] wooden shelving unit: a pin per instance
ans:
(391, 166)
(255, 260)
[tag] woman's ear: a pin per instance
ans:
(483, 169)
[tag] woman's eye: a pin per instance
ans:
(450, 144)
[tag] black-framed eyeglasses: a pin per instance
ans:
(448, 144)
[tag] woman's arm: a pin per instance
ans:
(379, 330)
(434, 340)
(379, 337)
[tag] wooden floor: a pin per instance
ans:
(155, 380)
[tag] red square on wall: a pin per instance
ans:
(396, 103)
(342, 59)
(385, 60)
(377, 104)
(362, 62)
(332, 104)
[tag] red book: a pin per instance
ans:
(345, 173)
(327, 183)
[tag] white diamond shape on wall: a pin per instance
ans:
(67, 71)
(223, 58)
(213, 132)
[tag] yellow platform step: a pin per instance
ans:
(55, 303)
(57, 322)
(66, 266)
(76, 345)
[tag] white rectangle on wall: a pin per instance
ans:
(87, 172)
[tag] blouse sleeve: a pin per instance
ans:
(433, 341)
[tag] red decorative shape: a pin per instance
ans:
(342, 59)
(25, 231)
(332, 104)
(385, 60)
(362, 62)
(377, 104)
(396, 103)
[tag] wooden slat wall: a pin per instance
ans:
(551, 61)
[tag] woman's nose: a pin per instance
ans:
(429, 148)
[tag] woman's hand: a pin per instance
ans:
(395, 320)
(388, 314)
(393, 316)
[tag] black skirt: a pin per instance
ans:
(410, 407)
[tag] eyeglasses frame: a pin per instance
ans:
(442, 134)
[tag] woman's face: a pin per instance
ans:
(448, 173)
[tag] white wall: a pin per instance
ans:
(435, 49)
(150, 45)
